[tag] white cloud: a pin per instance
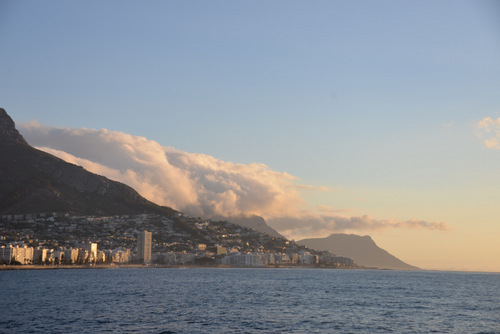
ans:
(490, 129)
(309, 226)
(201, 185)
(197, 184)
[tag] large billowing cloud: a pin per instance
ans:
(197, 184)
(201, 185)
(490, 129)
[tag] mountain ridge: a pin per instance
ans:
(362, 249)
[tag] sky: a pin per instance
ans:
(377, 118)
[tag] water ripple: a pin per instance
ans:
(248, 301)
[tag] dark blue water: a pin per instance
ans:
(248, 301)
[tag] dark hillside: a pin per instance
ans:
(32, 181)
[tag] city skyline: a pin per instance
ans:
(50, 240)
(376, 119)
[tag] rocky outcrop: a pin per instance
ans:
(8, 131)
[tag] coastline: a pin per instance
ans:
(148, 266)
(54, 267)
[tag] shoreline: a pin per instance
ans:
(78, 266)
(152, 266)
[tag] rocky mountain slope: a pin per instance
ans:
(254, 222)
(32, 181)
(362, 250)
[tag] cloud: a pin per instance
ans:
(310, 226)
(197, 184)
(314, 188)
(201, 185)
(489, 128)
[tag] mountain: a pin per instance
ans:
(32, 181)
(362, 250)
(254, 222)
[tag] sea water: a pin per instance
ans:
(213, 300)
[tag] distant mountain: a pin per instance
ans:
(254, 222)
(362, 250)
(32, 181)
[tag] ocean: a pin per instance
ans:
(216, 300)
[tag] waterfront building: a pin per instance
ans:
(91, 248)
(71, 255)
(144, 240)
(21, 254)
(268, 259)
(308, 258)
(120, 255)
(185, 258)
(101, 257)
(83, 256)
(57, 256)
(244, 260)
(169, 258)
(40, 255)
(330, 260)
(6, 254)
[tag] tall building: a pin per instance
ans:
(144, 240)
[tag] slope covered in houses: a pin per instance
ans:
(173, 240)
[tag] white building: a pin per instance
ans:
(21, 254)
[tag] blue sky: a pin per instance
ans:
(377, 101)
